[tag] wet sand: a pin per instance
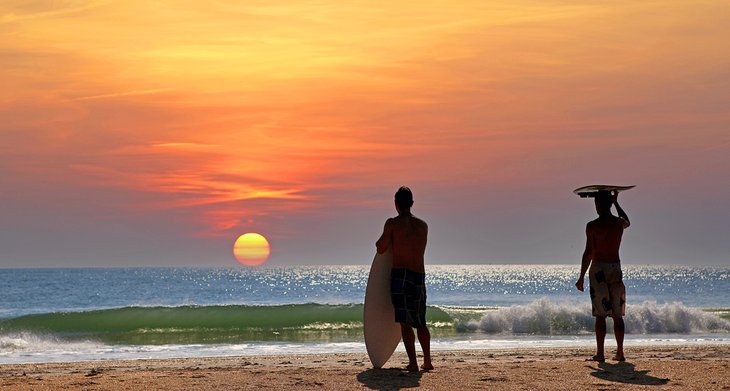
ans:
(656, 368)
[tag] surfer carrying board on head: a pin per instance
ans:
(406, 234)
(608, 294)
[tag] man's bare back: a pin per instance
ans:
(604, 236)
(407, 234)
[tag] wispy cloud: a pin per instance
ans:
(186, 145)
(20, 11)
(122, 94)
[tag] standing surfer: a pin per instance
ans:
(407, 235)
(608, 294)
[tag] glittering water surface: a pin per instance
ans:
(51, 290)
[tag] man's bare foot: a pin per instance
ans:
(412, 368)
(597, 358)
(619, 358)
(427, 366)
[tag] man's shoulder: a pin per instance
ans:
(596, 224)
(617, 220)
(420, 221)
(405, 221)
(603, 222)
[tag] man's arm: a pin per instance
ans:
(384, 242)
(620, 211)
(586, 260)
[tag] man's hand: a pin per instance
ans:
(614, 197)
(384, 242)
(579, 284)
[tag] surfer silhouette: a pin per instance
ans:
(608, 294)
(407, 235)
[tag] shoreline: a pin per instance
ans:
(683, 367)
(68, 353)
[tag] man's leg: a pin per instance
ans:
(600, 337)
(424, 338)
(618, 331)
(409, 341)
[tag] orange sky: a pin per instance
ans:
(193, 122)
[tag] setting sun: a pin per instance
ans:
(251, 249)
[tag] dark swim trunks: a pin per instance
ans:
(408, 293)
(608, 293)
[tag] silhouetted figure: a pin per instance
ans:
(407, 234)
(608, 294)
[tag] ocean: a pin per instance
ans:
(60, 315)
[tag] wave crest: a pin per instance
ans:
(543, 317)
(329, 323)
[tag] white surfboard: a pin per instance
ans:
(382, 333)
(592, 190)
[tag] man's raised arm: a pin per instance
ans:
(621, 213)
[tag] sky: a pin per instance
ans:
(136, 133)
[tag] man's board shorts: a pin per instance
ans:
(408, 293)
(608, 293)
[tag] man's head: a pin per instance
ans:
(403, 199)
(604, 200)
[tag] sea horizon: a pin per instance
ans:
(286, 266)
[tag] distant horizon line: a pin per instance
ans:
(269, 267)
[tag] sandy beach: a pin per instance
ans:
(658, 368)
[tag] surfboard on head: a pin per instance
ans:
(592, 190)
(382, 333)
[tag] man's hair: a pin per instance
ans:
(604, 200)
(404, 198)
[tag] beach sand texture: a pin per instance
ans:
(656, 368)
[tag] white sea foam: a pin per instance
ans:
(653, 318)
(27, 347)
(47, 351)
(543, 317)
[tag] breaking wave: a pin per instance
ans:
(543, 317)
(227, 324)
